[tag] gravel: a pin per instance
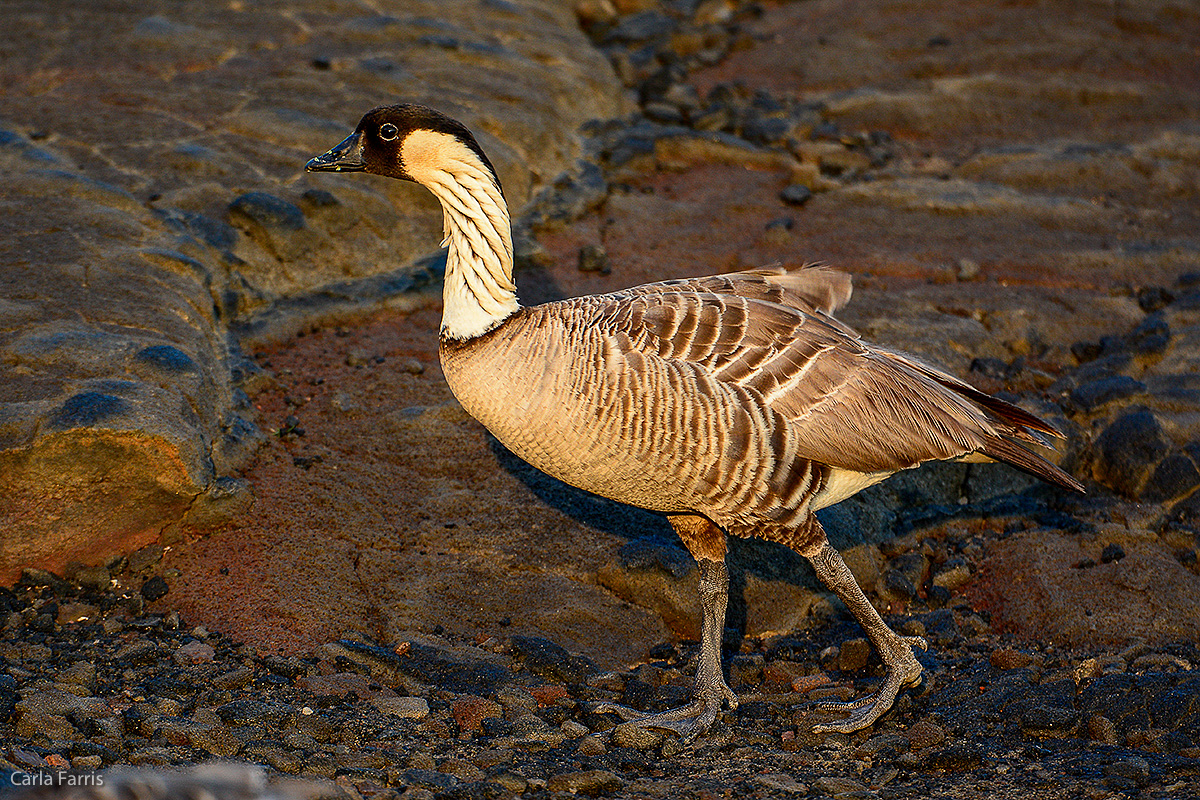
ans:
(100, 694)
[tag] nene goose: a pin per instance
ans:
(735, 404)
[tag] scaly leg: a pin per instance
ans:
(706, 542)
(903, 669)
(711, 690)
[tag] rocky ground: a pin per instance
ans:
(408, 610)
(94, 681)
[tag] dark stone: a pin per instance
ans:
(1093, 394)
(85, 748)
(663, 112)
(544, 657)
(938, 596)
(1188, 282)
(496, 726)
(656, 87)
(28, 151)
(746, 670)
(1153, 298)
(956, 757)
(644, 554)
(92, 578)
(429, 778)
(797, 194)
(138, 652)
(213, 232)
(1129, 449)
(1112, 552)
(319, 198)
(898, 584)
(1182, 387)
(941, 628)
(596, 782)
(251, 712)
(766, 130)
(426, 664)
(167, 358)
(1178, 707)
(268, 210)
(992, 368)
(8, 703)
(913, 566)
(1151, 336)
(1049, 721)
(1134, 769)
(857, 520)
(476, 790)
(1085, 351)
(86, 409)
(1175, 476)
(35, 577)
(713, 118)
(1187, 302)
(154, 588)
(639, 27)
(1103, 365)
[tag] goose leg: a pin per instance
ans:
(706, 542)
(711, 690)
(903, 669)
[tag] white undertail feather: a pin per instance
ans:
(843, 483)
(479, 292)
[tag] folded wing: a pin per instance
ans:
(851, 405)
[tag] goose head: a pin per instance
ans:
(418, 144)
(406, 141)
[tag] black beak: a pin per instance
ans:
(346, 157)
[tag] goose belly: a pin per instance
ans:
(577, 446)
(577, 437)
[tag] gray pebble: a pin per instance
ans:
(797, 194)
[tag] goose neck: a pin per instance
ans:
(479, 292)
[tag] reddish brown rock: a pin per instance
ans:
(1057, 588)
(469, 711)
(925, 734)
(84, 496)
(1008, 658)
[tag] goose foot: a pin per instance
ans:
(688, 721)
(711, 690)
(903, 670)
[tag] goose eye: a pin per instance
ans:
(387, 131)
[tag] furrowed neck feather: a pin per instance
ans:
(479, 292)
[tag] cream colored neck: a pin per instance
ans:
(479, 292)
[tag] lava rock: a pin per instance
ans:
(268, 211)
(167, 358)
(1175, 476)
(596, 782)
(87, 409)
(155, 588)
(544, 657)
(1128, 451)
(1094, 394)
(1049, 722)
(796, 194)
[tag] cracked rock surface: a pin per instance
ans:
(153, 200)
